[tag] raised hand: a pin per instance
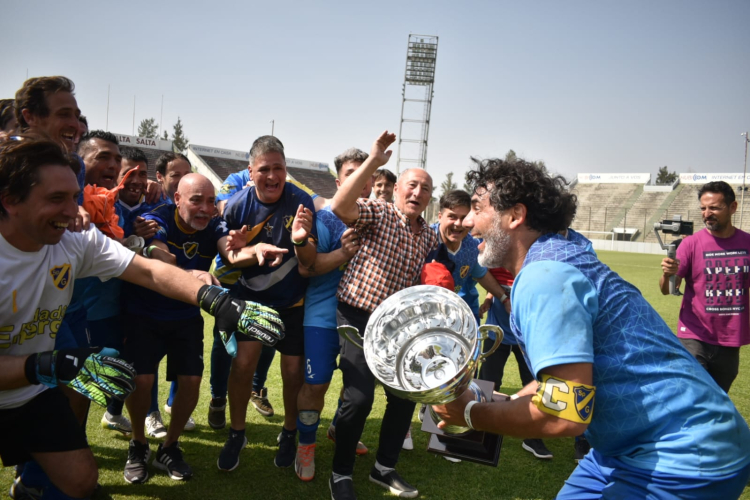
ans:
(302, 225)
(379, 151)
(146, 229)
(237, 239)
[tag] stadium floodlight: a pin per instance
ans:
(673, 226)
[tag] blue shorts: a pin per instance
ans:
(321, 351)
(603, 477)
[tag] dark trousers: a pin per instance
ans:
(721, 362)
(359, 394)
(493, 367)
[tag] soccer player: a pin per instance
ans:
(394, 242)
(715, 264)
(383, 184)
(268, 220)
(604, 360)
(38, 200)
(336, 245)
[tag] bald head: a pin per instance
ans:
(195, 199)
(413, 192)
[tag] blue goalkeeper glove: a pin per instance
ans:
(247, 317)
(94, 372)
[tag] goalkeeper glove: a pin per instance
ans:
(94, 372)
(232, 315)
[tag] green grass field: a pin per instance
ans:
(518, 476)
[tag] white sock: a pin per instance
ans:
(382, 469)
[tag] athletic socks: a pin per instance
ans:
(307, 424)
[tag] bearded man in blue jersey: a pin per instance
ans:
(275, 221)
(604, 360)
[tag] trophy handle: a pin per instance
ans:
(484, 335)
(351, 334)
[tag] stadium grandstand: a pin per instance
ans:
(218, 163)
(624, 207)
(153, 149)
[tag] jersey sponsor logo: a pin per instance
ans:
(288, 220)
(44, 322)
(226, 189)
(60, 276)
(190, 248)
(464, 271)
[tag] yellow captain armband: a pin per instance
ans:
(564, 399)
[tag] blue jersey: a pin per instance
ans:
(192, 249)
(280, 286)
(467, 270)
(320, 299)
(128, 214)
(233, 183)
(656, 408)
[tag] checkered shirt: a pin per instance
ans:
(390, 257)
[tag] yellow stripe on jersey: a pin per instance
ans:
(253, 232)
(564, 399)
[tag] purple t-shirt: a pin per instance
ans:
(717, 277)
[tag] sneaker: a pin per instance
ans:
(119, 423)
(287, 450)
(261, 403)
(229, 458)
(155, 426)
(19, 491)
(331, 434)
(136, 468)
(217, 416)
(170, 460)
(408, 441)
(189, 425)
(582, 447)
(537, 448)
(394, 483)
(343, 489)
(304, 462)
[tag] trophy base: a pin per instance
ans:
(475, 446)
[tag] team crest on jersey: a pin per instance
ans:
(464, 271)
(288, 222)
(584, 398)
(190, 248)
(60, 276)
(269, 230)
(226, 189)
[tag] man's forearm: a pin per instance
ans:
(12, 373)
(344, 202)
(490, 284)
(521, 418)
(162, 278)
(324, 263)
(664, 284)
(244, 257)
(306, 255)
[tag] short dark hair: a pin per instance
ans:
(550, 207)
(84, 120)
(7, 111)
(33, 96)
(133, 154)
(718, 187)
(455, 198)
(265, 144)
(350, 155)
(163, 161)
(20, 161)
(384, 172)
(84, 145)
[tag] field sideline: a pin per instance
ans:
(518, 476)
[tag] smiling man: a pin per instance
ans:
(604, 360)
(715, 264)
(394, 242)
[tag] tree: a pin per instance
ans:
(148, 128)
(448, 184)
(665, 176)
(179, 138)
(165, 136)
(511, 156)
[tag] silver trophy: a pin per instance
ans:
(423, 344)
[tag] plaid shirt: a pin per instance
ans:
(390, 257)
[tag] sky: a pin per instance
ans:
(586, 86)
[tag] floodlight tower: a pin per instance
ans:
(419, 78)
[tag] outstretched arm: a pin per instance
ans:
(344, 202)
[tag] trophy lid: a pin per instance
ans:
(420, 338)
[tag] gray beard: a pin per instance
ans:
(496, 246)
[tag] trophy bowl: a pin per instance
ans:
(423, 344)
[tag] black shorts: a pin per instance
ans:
(148, 340)
(46, 424)
(294, 332)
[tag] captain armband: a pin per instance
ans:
(571, 401)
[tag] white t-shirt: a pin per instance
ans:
(36, 288)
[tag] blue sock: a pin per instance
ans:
(307, 424)
(172, 391)
(34, 476)
(336, 415)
